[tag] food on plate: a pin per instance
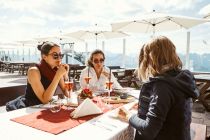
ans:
(86, 93)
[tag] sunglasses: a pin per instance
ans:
(96, 61)
(56, 55)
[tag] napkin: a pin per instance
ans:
(72, 102)
(87, 107)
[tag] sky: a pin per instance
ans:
(29, 19)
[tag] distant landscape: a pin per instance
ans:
(198, 62)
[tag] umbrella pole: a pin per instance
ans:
(188, 51)
(23, 53)
(86, 51)
(153, 31)
(103, 44)
(96, 41)
(124, 53)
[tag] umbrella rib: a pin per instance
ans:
(167, 18)
(147, 22)
(154, 24)
(163, 20)
(122, 26)
(171, 19)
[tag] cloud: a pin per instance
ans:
(42, 17)
(105, 11)
(205, 10)
(30, 21)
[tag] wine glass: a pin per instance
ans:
(69, 86)
(109, 85)
(87, 80)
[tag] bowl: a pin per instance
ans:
(123, 95)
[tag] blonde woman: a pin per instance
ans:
(98, 73)
(164, 108)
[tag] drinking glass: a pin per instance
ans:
(55, 104)
(109, 85)
(87, 80)
(69, 83)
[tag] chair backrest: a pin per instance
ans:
(75, 71)
(10, 93)
(114, 67)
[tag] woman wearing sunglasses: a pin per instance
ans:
(43, 79)
(98, 73)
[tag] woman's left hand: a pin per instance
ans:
(123, 114)
(66, 67)
(66, 76)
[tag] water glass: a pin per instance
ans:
(55, 104)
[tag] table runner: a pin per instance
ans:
(54, 123)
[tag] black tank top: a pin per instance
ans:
(31, 98)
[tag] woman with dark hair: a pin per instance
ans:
(164, 108)
(98, 73)
(43, 79)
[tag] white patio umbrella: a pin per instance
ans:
(95, 35)
(156, 22)
(29, 42)
(58, 39)
(62, 40)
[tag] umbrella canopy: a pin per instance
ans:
(94, 34)
(24, 43)
(156, 22)
(58, 38)
(30, 42)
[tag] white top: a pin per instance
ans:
(96, 84)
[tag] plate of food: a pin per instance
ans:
(117, 99)
(100, 91)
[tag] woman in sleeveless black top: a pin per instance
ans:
(43, 79)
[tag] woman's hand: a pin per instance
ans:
(62, 70)
(67, 67)
(66, 75)
(123, 114)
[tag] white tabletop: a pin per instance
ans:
(100, 128)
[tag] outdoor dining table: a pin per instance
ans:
(105, 126)
(108, 127)
(205, 80)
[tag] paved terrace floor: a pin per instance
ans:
(199, 114)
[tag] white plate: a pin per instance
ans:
(99, 92)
